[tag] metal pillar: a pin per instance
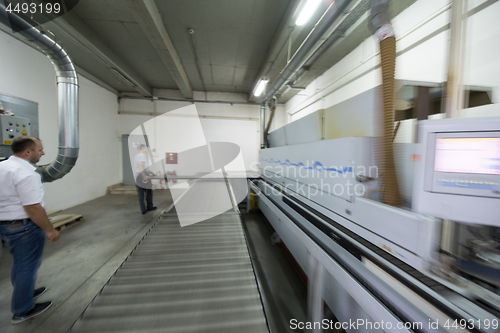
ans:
(454, 88)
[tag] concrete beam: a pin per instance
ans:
(147, 15)
(75, 28)
(96, 80)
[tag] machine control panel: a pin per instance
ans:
(464, 163)
(458, 176)
(12, 127)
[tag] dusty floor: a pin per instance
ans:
(76, 267)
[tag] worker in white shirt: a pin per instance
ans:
(24, 225)
(143, 181)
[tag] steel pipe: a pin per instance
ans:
(309, 45)
(67, 91)
(272, 106)
(263, 126)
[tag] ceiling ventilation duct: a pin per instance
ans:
(335, 12)
(313, 41)
(67, 91)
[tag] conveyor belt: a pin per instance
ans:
(193, 279)
(313, 216)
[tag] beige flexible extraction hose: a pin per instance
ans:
(390, 191)
(380, 24)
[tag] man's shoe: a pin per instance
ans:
(39, 292)
(144, 212)
(152, 208)
(37, 309)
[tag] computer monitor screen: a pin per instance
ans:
(468, 155)
(460, 170)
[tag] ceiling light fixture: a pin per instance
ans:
(307, 11)
(260, 87)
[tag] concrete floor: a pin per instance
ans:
(284, 294)
(76, 267)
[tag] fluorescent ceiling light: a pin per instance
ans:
(307, 11)
(260, 87)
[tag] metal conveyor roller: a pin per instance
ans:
(193, 279)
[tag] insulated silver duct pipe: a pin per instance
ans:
(301, 55)
(67, 91)
(263, 126)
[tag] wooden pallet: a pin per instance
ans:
(63, 221)
(53, 213)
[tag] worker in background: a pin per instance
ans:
(24, 225)
(143, 180)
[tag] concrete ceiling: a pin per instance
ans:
(135, 46)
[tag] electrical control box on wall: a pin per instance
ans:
(24, 113)
(12, 127)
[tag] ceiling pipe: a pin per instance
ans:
(67, 91)
(335, 35)
(272, 106)
(318, 53)
(312, 42)
(290, 86)
(263, 126)
(192, 101)
(280, 38)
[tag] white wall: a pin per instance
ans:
(236, 123)
(239, 132)
(28, 74)
(421, 59)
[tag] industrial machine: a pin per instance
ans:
(432, 265)
(459, 180)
